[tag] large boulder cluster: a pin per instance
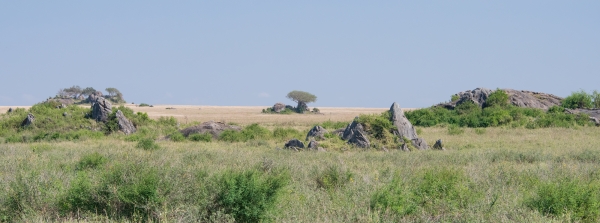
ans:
(526, 99)
(211, 127)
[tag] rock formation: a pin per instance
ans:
(526, 99)
(212, 127)
(593, 113)
(404, 128)
(101, 109)
(10, 110)
(317, 133)
(313, 145)
(355, 134)
(294, 144)
(125, 125)
(278, 107)
(29, 120)
(438, 145)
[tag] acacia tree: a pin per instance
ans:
(88, 91)
(302, 98)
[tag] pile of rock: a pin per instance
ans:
(316, 133)
(526, 99)
(212, 127)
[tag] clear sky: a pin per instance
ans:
(348, 53)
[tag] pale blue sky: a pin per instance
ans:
(348, 53)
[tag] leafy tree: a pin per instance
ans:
(88, 91)
(302, 98)
(497, 98)
(112, 91)
(71, 92)
(578, 99)
(596, 97)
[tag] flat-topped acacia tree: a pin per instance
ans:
(302, 98)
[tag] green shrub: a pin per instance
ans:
(596, 98)
(433, 191)
(80, 196)
(286, 133)
(580, 200)
(497, 98)
(333, 125)
(143, 105)
(395, 197)
(480, 131)
(197, 137)
(147, 144)
(454, 97)
(90, 161)
(177, 137)
(251, 132)
(377, 125)
(578, 99)
(250, 194)
(333, 177)
(455, 130)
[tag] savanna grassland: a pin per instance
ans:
(495, 174)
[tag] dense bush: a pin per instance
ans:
(333, 177)
(333, 125)
(248, 195)
(198, 137)
(497, 98)
(470, 115)
(286, 133)
(434, 191)
(92, 160)
(147, 144)
(578, 199)
(578, 99)
(250, 132)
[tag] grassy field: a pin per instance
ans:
(485, 175)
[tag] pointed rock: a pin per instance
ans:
(313, 145)
(438, 145)
(317, 133)
(405, 128)
(125, 125)
(355, 134)
(101, 109)
(29, 120)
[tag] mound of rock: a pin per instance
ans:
(316, 132)
(278, 107)
(294, 144)
(101, 109)
(593, 113)
(405, 128)
(29, 120)
(355, 134)
(526, 99)
(125, 125)
(212, 127)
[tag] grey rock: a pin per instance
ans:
(593, 113)
(101, 109)
(530, 99)
(278, 107)
(526, 99)
(595, 120)
(356, 135)
(420, 144)
(125, 125)
(212, 127)
(438, 145)
(294, 144)
(10, 110)
(29, 120)
(313, 145)
(339, 132)
(317, 133)
(404, 147)
(65, 114)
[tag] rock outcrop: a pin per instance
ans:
(278, 107)
(593, 113)
(294, 144)
(212, 127)
(313, 145)
(101, 109)
(530, 99)
(29, 120)
(526, 99)
(356, 135)
(125, 125)
(404, 128)
(438, 145)
(317, 133)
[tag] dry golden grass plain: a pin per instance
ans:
(244, 115)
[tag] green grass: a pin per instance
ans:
(503, 175)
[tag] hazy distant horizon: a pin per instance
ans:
(349, 54)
